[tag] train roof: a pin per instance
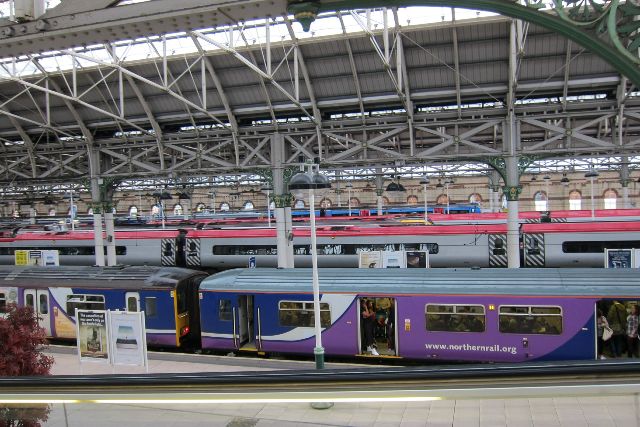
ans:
(440, 281)
(120, 277)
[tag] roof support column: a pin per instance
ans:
(379, 190)
(512, 190)
(94, 172)
(282, 200)
(494, 191)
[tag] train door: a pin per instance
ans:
(192, 249)
(38, 299)
(377, 324)
(133, 301)
(533, 250)
(246, 327)
(168, 252)
(497, 250)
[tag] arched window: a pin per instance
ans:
(412, 200)
(89, 212)
(355, 202)
(475, 198)
(133, 212)
(575, 200)
(52, 212)
(177, 209)
(248, 206)
(325, 203)
(299, 204)
(385, 201)
(113, 210)
(540, 201)
(200, 207)
(224, 206)
(442, 199)
(610, 199)
(155, 210)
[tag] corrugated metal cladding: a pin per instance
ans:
(575, 281)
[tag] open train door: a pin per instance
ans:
(245, 325)
(379, 327)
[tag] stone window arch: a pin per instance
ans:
(610, 198)
(200, 207)
(540, 201)
(355, 202)
(133, 211)
(575, 200)
(325, 203)
(177, 209)
(442, 199)
(224, 207)
(412, 200)
(475, 198)
(299, 204)
(248, 206)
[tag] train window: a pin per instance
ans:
(84, 302)
(132, 304)
(44, 304)
(181, 299)
(29, 300)
(224, 310)
(300, 313)
(546, 320)
(455, 318)
(151, 307)
(3, 303)
(168, 249)
(597, 246)
(245, 250)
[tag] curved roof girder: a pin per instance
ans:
(621, 59)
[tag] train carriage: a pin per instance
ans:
(444, 314)
(166, 295)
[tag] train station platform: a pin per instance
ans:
(556, 408)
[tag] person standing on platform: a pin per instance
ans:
(632, 332)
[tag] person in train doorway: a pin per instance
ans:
(617, 318)
(602, 342)
(391, 319)
(632, 332)
(369, 325)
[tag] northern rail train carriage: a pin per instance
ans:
(496, 315)
(166, 295)
(482, 245)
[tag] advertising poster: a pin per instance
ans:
(417, 259)
(92, 335)
(618, 258)
(369, 259)
(393, 259)
(37, 258)
(128, 343)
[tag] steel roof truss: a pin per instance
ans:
(372, 143)
(126, 160)
(571, 132)
(255, 151)
(61, 165)
(202, 155)
(300, 148)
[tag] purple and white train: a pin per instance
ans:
(486, 315)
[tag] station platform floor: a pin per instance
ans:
(554, 410)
